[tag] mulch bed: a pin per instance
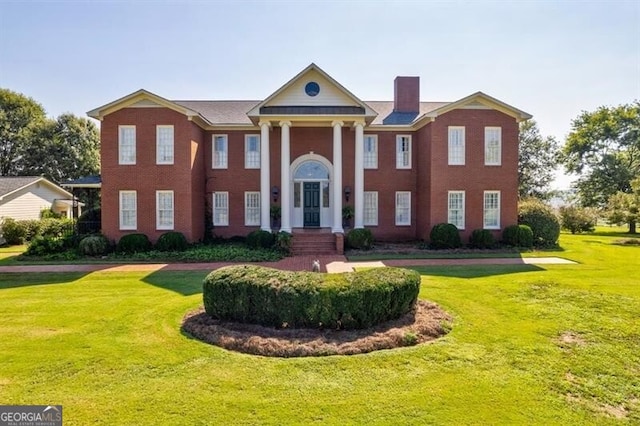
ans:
(426, 322)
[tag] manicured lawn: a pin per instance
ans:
(529, 345)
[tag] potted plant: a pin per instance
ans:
(276, 214)
(347, 215)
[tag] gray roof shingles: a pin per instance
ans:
(12, 183)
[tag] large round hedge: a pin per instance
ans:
(541, 219)
(270, 297)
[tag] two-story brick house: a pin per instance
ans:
(312, 147)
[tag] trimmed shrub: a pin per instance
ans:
(518, 236)
(576, 220)
(55, 228)
(90, 221)
(94, 245)
(353, 300)
(542, 221)
(31, 229)
(445, 236)
(133, 243)
(482, 239)
(260, 239)
(172, 241)
(283, 242)
(45, 245)
(360, 239)
(13, 232)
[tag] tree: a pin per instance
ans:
(625, 207)
(537, 160)
(20, 118)
(604, 149)
(578, 219)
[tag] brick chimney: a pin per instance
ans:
(406, 94)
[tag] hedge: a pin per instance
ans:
(133, 243)
(270, 297)
(360, 238)
(518, 236)
(445, 236)
(541, 219)
(172, 241)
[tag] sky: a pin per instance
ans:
(552, 59)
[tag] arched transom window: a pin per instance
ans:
(312, 170)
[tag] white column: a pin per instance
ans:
(285, 192)
(358, 199)
(337, 177)
(265, 191)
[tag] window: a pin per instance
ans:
(403, 208)
(221, 208)
(456, 209)
(126, 144)
(220, 148)
(164, 209)
(492, 146)
(491, 210)
(403, 152)
(252, 151)
(370, 151)
(456, 146)
(371, 208)
(252, 208)
(128, 210)
(164, 144)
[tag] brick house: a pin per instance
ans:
(311, 148)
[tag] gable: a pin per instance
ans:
(295, 94)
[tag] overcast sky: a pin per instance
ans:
(552, 59)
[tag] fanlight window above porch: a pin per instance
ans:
(312, 170)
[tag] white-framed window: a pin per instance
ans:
(492, 146)
(403, 208)
(221, 209)
(370, 151)
(252, 151)
(126, 144)
(128, 210)
(252, 208)
(164, 209)
(164, 144)
(370, 208)
(456, 208)
(456, 145)
(403, 152)
(491, 216)
(220, 151)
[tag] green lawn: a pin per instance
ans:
(558, 344)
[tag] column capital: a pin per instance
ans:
(264, 123)
(358, 123)
(337, 123)
(285, 123)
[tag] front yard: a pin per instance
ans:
(558, 344)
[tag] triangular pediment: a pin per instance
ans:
(481, 100)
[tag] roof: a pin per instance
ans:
(11, 184)
(84, 182)
(222, 112)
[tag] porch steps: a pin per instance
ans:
(313, 243)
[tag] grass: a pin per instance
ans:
(529, 345)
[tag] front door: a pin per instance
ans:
(311, 197)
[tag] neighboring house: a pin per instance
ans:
(24, 197)
(312, 147)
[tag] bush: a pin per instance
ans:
(90, 221)
(542, 221)
(445, 236)
(133, 243)
(49, 214)
(259, 295)
(55, 228)
(13, 232)
(94, 245)
(360, 239)
(283, 242)
(31, 229)
(260, 239)
(482, 239)
(45, 245)
(518, 236)
(172, 241)
(577, 220)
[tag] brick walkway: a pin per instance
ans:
(332, 263)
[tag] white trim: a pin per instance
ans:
(487, 140)
(160, 226)
(497, 210)
(460, 225)
(400, 220)
(252, 219)
(131, 159)
(370, 208)
(223, 161)
(370, 158)
(224, 209)
(403, 158)
(456, 154)
(169, 159)
(134, 225)
(251, 163)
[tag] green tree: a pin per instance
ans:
(538, 158)
(20, 118)
(603, 148)
(624, 207)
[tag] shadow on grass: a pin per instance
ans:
(185, 283)
(474, 271)
(16, 280)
